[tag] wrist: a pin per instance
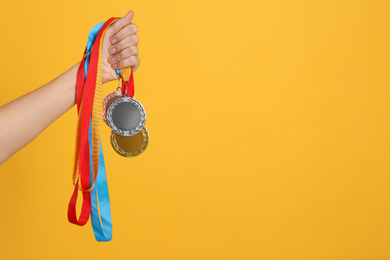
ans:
(109, 75)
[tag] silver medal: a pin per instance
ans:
(126, 116)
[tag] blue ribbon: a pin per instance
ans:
(103, 230)
(91, 39)
(99, 193)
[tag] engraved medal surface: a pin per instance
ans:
(130, 146)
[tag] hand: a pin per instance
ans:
(120, 47)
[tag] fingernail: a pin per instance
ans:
(112, 50)
(115, 65)
(112, 59)
(113, 41)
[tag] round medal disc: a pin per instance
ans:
(107, 101)
(126, 116)
(130, 146)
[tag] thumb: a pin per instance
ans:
(124, 21)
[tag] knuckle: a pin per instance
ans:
(134, 39)
(136, 66)
(126, 52)
(133, 60)
(118, 37)
(134, 28)
(129, 30)
(117, 47)
(118, 56)
(133, 50)
(119, 64)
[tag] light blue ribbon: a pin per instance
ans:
(103, 230)
(91, 39)
(99, 193)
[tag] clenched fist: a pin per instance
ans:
(120, 47)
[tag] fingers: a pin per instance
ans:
(124, 54)
(124, 50)
(123, 33)
(132, 61)
(124, 21)
(125, 43)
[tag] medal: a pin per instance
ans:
(125, 115)
(129, 137)
(130, 146)
(107, 101)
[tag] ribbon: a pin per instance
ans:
(85, 95)
(89, 160)
(89, 173)
(128, 82)
(99, 193)
(99, 196)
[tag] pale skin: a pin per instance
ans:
(36, 110)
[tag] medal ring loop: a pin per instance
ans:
(119, 83)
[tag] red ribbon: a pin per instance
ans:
(85, 91)
(128, 86)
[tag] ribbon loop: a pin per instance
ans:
(89, 164)
(128, 85)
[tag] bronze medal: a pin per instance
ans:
(107, 101)
(126, 117)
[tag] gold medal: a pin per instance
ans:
(126, 117)
(130, 146)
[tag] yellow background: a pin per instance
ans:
(269, 132)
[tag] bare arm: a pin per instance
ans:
(26, 117)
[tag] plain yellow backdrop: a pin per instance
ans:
(269, 132)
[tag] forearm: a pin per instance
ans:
(26, 117)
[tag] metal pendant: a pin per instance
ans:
(126, 116)
(130, 146)
(107, 101)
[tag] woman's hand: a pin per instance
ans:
(120, 47)
(38, 109)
